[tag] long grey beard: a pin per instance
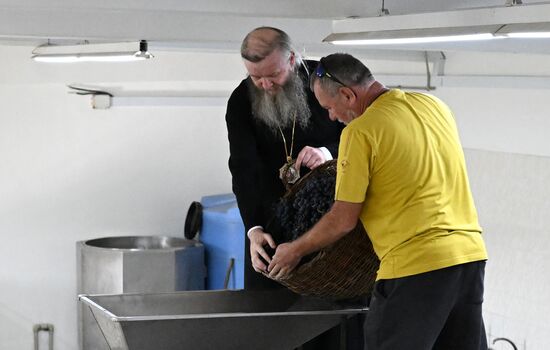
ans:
(278, 111)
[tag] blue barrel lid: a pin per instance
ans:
(226, 200)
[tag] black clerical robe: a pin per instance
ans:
(257, 153)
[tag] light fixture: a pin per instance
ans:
(413, 36)
(110, 52)
(490, 23)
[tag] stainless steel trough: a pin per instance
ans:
(214, 320)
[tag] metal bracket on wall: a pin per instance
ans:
(100, 99)
(383, 11)
(438, 60)
(513, 2)
(47, 327)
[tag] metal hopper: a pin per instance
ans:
(223, 319)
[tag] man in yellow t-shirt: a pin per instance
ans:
(401, 171)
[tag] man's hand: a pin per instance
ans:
(340, 219)
(258, 239)
(285, 259)
(310, 157)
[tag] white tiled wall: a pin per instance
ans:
(512, 195)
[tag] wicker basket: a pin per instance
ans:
(345, 269)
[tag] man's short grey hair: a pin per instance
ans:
(345, 70)
(280, 41)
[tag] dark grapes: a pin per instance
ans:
(304, 204)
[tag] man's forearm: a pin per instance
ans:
(338, 222)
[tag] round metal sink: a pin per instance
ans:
(142, 242)
(134, 264)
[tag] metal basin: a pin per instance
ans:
(134, 264)
(139, 264)
(141, 242)
(270, 320)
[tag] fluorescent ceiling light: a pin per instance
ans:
(520, 21)
(112, 52)
(413, 36)
(529, 35)
(416, 40)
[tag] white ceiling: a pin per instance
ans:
(315, 9)
(205, 24)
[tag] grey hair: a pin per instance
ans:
(343, 67)
(280, 41)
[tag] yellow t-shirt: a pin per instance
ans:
(403, 158)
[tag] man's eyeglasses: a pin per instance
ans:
(321, 71)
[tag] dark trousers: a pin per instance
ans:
(437, 310)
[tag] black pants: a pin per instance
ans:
(437, 310)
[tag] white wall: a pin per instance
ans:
(70, 173)
(511, 193)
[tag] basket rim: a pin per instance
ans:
(303, 279)
(329, 164)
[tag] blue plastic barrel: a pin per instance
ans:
(222, 234)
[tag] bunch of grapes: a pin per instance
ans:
(297, 212)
